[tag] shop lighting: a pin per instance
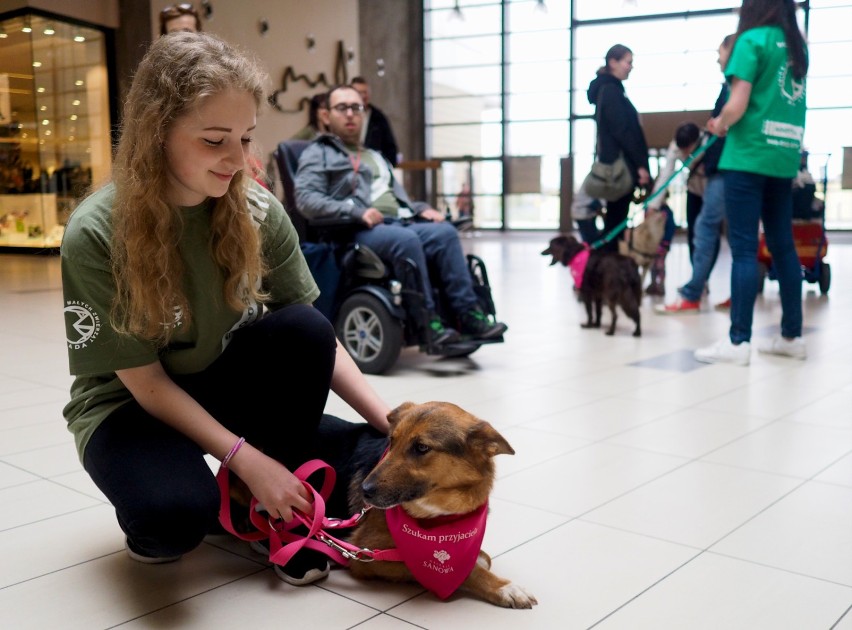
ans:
(79, 38)
(49, 30)
(40, 90)
(75, 102)
(27, 27)
(3, 33)
(36, 64)
(73, 116)
(78, 82)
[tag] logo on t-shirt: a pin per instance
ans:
(83, 321)
(792, 89)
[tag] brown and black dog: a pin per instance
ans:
(609, 278)
(439, 462)
(642, 242)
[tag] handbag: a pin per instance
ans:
(608, 181)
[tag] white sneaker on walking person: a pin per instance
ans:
(778, 345)
(725, 352)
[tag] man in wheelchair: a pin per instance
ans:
(338, 177)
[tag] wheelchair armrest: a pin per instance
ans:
(333, 228)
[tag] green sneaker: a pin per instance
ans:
(440, 334)
(481, 326)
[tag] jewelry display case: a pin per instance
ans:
(54, 125)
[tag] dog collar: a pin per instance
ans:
(440, 552)
(578, 266)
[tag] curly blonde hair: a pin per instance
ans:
(178, 71)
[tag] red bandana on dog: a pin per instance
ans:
(440, 552)
(578, 266)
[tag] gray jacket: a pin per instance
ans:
(326, 184)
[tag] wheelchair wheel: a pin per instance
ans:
(370, 334)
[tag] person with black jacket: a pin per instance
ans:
(377, 133)
(619, 131)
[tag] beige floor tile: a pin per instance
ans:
(808, 532)
(745, 596)
(696, 504)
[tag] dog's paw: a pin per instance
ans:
(514, 596)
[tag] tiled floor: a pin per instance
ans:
(647, 491)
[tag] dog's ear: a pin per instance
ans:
(395, 414)
(484, 438)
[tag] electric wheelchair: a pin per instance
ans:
(375, 313)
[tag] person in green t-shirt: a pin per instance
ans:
(188, 312)
(764, 121)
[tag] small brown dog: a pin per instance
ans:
(440, 462)
(437, 465)
(609, 278)
(641, 242)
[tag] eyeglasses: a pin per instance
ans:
(356, 108)
(176, 10)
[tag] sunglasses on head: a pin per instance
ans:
(176, 10)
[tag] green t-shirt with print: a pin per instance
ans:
(96, 350)
(767, 140)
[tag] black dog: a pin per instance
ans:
(609, 278)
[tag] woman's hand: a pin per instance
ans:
(644, 176)
(716, 127)
(275, 487)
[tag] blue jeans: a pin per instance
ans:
(707, 231)
(429, 245)
(749, 199)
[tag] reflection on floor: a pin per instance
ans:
(647, 491)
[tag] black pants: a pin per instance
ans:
(616, 212)
(270, 386)
(694, 203)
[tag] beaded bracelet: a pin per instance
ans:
(233, 452)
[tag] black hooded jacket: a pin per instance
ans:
(618, 124)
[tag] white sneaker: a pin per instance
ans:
(148, 559)
(794, 348)
(725, 352)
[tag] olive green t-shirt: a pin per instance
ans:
(96, 350)
(767, 140)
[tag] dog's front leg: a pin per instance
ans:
(484, 584)
(598, 312)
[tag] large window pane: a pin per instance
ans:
(458, 81)
(467, 51)
(482, 20)
(602, 9)
(529, 15)
(544, 46)
(537, 106)
(463, 109)
(459, 140)
(676, 69)
(533, 77)
(538, 138)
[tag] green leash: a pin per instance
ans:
(686, 164)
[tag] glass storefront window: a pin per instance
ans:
(55, 138)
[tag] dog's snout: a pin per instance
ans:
(369, 488)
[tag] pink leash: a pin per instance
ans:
(284, 543)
